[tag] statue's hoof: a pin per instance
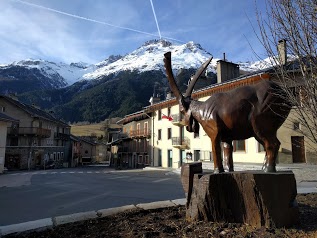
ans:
(270, 169)
(218, 171)
(228, 169)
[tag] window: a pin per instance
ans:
(3, 109)
(196, 155)
(159, 156)
(159, 134)
(169, 158)
(138, 129)
(169, 111)
(238, 145)
(260, 147)
(159, 115)
(14, 141)
(145, 128)
(169, 133)
(296, 126)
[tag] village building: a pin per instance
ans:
(37, 139)
(131, 148)
(172, 145)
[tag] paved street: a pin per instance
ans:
(26, 196)
(32, 195)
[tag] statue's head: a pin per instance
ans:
(185, 100)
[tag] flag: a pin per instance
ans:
(167, 117)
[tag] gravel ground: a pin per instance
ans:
(170, 222)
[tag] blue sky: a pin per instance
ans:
(91, 30)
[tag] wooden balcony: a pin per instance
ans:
(29, 131)
(181, 143)
(140, 133)
(178, 119)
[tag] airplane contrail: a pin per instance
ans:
(91, 20)
(157, 25)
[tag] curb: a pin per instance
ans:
(47, 223)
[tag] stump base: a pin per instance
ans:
(252, 197)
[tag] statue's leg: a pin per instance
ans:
(271, 147)
(216, 152)
(227, 150)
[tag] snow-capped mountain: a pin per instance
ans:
(68, 73)
(82, 92)
(150, 57)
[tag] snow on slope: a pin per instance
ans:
(150, 57)
(146, 58)
(71, 73)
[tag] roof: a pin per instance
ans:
(35, 112)
(214, 88)
(4, 117)
(137, 116)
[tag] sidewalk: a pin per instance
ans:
(51, 222)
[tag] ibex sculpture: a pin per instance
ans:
(247, 111)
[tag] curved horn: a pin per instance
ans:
(170, 76)
(194, 79)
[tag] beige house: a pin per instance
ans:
(37, 139)
(173, 145)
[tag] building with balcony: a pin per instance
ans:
(133, 146)
(36, 139)
(172, 145)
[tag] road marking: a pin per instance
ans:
(119, 177)
(161, 180)
(89, 172)
(71, 172)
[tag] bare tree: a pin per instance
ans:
(292, 25)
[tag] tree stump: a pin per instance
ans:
(252, 197)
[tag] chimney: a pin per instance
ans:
(282, 53)
(169, 95)
(154, 99)
(226, 70)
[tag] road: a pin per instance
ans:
(27, 196)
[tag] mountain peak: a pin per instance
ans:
(162, 42)
(149, 57)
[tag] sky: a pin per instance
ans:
(92, 30)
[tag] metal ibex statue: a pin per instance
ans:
(248, 111)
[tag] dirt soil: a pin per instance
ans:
(170, 222)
